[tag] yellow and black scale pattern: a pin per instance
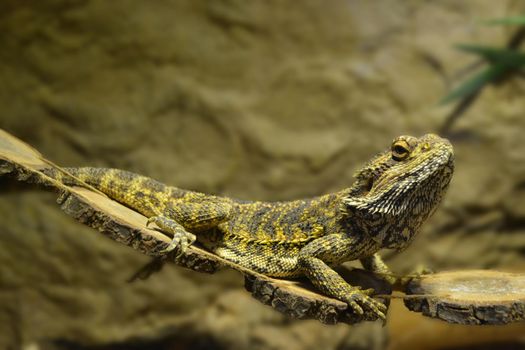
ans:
(392, 196)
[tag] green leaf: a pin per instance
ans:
(511, 58)
(508, 21)
(474, 84)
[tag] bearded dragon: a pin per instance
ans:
(393, 194)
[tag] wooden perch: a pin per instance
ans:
(294, 298)
(468, 297)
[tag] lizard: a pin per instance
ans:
(391, 197)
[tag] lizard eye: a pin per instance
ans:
(400, 150)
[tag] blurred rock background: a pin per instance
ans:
(267, 100)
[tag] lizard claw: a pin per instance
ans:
(181, 240)
(360, 298)
(150, 221)
(179, 243)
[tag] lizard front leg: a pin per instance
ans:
(312, 259)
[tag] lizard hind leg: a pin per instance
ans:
(181, 239)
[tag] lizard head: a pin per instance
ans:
(402, 186)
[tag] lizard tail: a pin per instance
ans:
(136, 191)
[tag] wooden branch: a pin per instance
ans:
(299, 300)
(294, 298)
(469, 297)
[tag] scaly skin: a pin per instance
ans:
(391, 198)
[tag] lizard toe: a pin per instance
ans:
(180, 242)
(356, 308)
(181, 239)
(151, 221)
(359, 300)
(368, 291)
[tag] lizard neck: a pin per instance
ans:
(393, 231)
(394, 215)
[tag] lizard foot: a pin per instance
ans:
(180, 242)
(358, 299)
(181, 239)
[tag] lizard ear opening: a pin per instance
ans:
(369, 184)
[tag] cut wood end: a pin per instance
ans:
(469, 297)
